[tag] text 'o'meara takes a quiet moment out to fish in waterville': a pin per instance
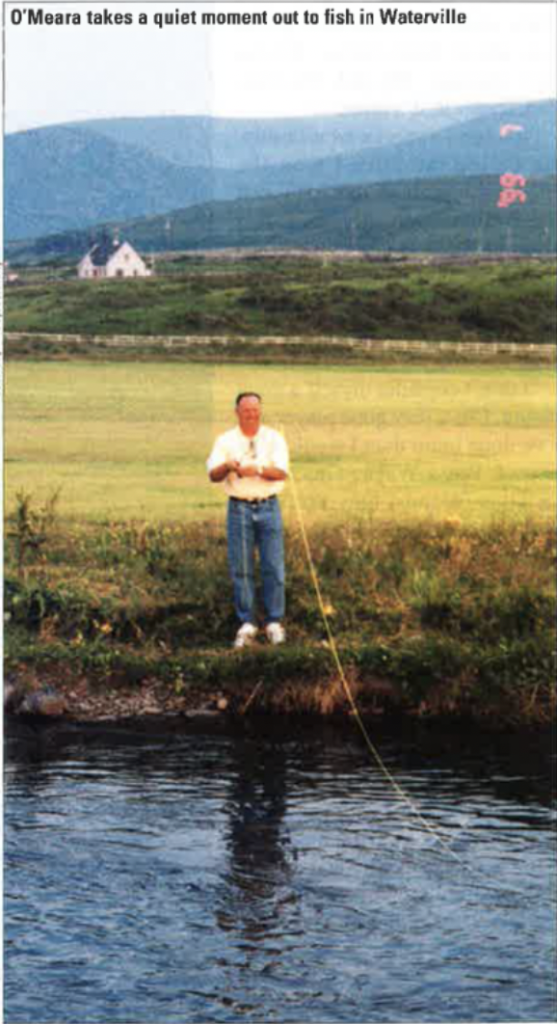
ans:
(329, 16)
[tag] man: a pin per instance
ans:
(251, 461)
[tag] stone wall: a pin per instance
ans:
(367, 346)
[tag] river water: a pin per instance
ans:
(173, 878)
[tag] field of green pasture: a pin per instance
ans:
(491, 302)
(124, 441)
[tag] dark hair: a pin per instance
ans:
(247, 394)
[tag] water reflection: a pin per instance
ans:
(256, 892)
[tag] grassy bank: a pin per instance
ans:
(430, 619)
(451, 302)
(383, 443)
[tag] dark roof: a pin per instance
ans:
(102, 251)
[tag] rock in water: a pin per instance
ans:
(45, 703)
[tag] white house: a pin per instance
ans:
(112, 259)
(10, 276)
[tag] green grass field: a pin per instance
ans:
(498, 301)
(127, 441)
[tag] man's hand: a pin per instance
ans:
(247, 471)
(220, 472)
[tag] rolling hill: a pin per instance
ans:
(436, 215)
(76, 176)
(59, 178)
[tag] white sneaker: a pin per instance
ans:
(245, 635)
(275, 633)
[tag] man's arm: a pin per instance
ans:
(219, 473)
(272, 473)
(264, 472)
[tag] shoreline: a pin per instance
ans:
(527, 748)
(55, 694)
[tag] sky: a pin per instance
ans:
(55, 73)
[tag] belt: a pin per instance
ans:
(253, 501)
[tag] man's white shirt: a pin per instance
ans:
(266, 449)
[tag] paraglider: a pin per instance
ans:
(512, 185)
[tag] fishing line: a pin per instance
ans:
(400, 792)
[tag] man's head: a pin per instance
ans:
(248, 411)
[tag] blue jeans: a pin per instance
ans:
(251, 526)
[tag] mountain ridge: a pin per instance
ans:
(73, 176)
(237, 143)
